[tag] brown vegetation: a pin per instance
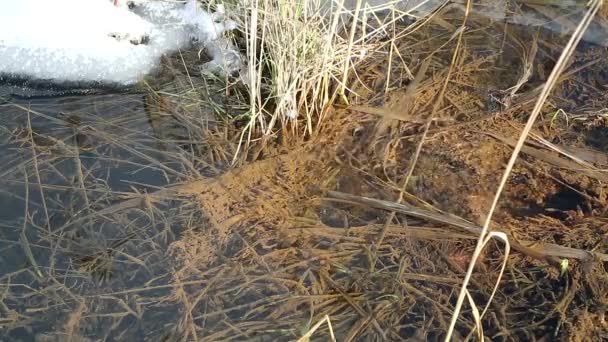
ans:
(372, 219)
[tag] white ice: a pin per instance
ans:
(76, 40)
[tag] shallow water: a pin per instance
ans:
(91, 150)
(560, 18)
(83, 153)
(92, 52)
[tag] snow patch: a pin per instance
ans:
(93, 40)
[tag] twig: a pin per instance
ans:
(314, 328)
(543, 251)
(353, 29)
(36, 169)
(23, 237)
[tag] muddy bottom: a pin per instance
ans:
(308, 246)
(364, 224)
(370, 222)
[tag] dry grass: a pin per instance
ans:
(301, 57)
(369, 223)
(71, 166)
(485, 234)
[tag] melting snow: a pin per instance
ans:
(92, 40)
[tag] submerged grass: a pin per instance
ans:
(337, 228)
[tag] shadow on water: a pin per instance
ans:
(27, 89)
(61, 159)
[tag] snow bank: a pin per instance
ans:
(91, 40)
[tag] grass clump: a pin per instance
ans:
(299, 56)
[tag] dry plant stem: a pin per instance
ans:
(23, 237)
(557, 70)
(436, 106)
(364, 314)
(80, 175)
(186, 70)
(325, 84)
(30, 134)
(391, 217)
(528, 65)
(253, 77)
(408, 94)
(351, 40)
(312, 330)
(545, 252)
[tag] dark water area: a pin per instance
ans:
(24, 89)
(62, 158)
